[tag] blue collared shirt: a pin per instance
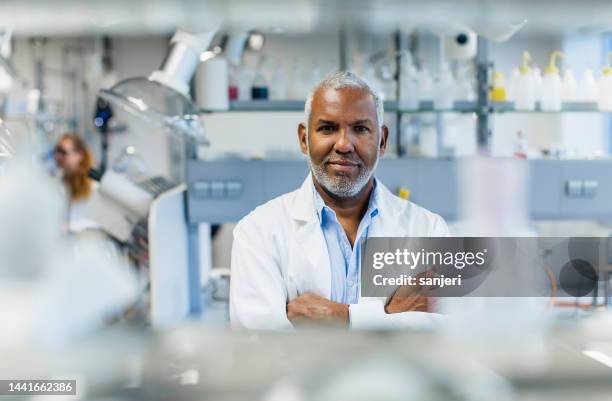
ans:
(345, 261)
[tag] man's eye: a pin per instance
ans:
(327, 128)
(362, 128)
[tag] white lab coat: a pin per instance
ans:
(279, 252)
(78, 213)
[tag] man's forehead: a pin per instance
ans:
(344, 101)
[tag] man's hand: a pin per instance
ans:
(312, 308)
(411, 298)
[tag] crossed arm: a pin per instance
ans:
(312, 308)
(258, 297)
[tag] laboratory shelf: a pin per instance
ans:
(395, 107)
(566, 107)
(298, 105)
(462, 106)
(267, 105)
(275, 105)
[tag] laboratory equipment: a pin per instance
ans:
(588, 90)
(444, 89)
(132, 208)
(241, 79)
(259, 89)
(225, 191)
(569, 91)
(296, 89)
(212, 84)
(498, 90)
(605, 87)
(426, 86)
(146, 214)
(464, 85)
(537, 83)
(499, 31)
(521, 146)
(102, 117)
(233, 84)
(245, 81)
(383, 77)
(235, 46)
(551, 85)
(7, 149)
(8, 73)
(524, 90)
(409, 89)
(461, 43)
(162, 99)
(511, 88)
(278, 82)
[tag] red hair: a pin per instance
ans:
(79, 184)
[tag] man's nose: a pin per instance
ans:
(344, 143)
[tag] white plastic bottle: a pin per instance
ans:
(426, 86)
(537, 83)
(278, 82)
(245, 78)
(444, 89)
(295, 84)
(523, 87)
(605, 88)
(498, 90)
(569, 91)
(464, 88)
(588, 90)
(551, 85)
(315, 75)
(409, 88)
(521, 146)
(512, 82)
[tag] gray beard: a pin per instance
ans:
(341, 186)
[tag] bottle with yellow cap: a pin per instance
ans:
(523, 87)
(551, 85)
(498, 89)
(605, 87)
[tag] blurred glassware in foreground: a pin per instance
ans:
(157, 105)
(53, 288)
(162, 99)
(130, 163)
(6, 144)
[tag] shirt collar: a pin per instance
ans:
(321, 208)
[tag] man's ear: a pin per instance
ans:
(384, 135)
(302, 138)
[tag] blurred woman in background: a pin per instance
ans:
(74, 159)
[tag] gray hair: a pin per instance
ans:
(340, 80)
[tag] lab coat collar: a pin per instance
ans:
(316, 274)
(321, 207)
(303, 205)
(302, 208)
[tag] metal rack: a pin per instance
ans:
(559, 189)
(482, 108)
(462, 106)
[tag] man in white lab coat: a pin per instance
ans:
(296, 259)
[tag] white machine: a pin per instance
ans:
(147, 213)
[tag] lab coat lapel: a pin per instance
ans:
(309, 266)
(386, 224)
